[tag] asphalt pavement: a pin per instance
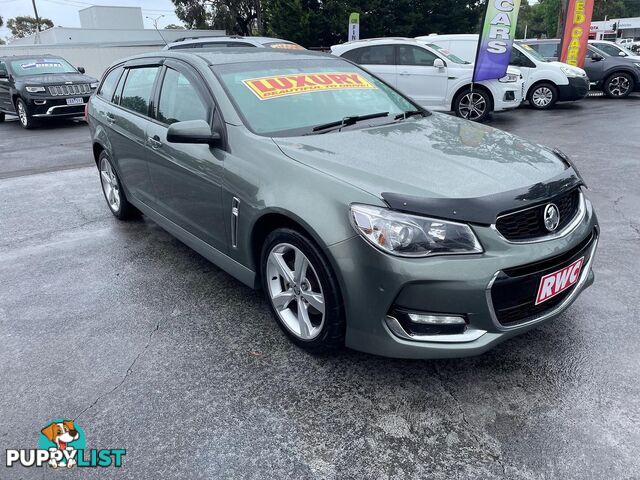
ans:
(152, 349)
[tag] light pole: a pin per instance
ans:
(155, 24)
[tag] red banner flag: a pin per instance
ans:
(576, 32)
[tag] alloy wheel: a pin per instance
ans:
(542, 97)
(110, 185)
(295, 291)
(472, 106)
(22, 114)
(619, 86)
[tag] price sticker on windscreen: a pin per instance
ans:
(283, 85)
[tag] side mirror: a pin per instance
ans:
(438, 63)
(81, 69)
(622, 54)
(193, 131)
(596, 57)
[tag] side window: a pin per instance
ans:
(179, 100)
(136, 94)
(377, 55)
(519, 59)
(108, 86)
(353, 55)
(410, 55)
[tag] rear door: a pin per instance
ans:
(418, 78)
(187, 178)
(129, 119)
(379, 59)
(5, 89)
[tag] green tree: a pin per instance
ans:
(243, 17)
(173, 26)
(22, 26)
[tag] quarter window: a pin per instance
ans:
(375, 55)
(179, 100)
(410, 55)
(108, 86)
(136, 94)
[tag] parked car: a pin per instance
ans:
(545, 82)
(617, 77)
(39, 87)
(367, 220)
(432, 77)
(613, 49)
(233, 41)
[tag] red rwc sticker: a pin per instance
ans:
(557, 282)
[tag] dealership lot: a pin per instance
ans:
(153, 349)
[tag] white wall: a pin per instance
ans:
(111, 17)
(95, 59)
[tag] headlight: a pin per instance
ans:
(94, 85)
(572, 72)
(407, 235)
(510, 78)
(35, 89)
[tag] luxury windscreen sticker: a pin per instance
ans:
(282, 85)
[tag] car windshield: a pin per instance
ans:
(447, 54)
(288, 98)
(41, 66)
(613, 49)
(531, 52)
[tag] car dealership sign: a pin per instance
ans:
(576, 32)
(496, 39)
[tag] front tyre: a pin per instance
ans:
(24, 115)
(303, 291)
(112, 189)
(543, 96)
(2, 117)
(473, 105)
(618, 85)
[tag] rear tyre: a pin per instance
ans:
(302, 291)
(619, 85)
(24, 115)
(543, 96)
(113, 192)
(474, 106)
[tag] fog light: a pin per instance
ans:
(509, 96)
(430, 319)
(40, 102)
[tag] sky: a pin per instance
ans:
(64, 13)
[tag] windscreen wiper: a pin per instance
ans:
(408, 113)
(346, 121)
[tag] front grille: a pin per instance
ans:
(78, 89)
(529, 223)
(514, 292)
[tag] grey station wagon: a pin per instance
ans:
(367, 221)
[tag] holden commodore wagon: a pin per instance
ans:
(367, 220)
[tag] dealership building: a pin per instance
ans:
(106, 34)
(616, 28)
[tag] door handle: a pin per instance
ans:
(110, 118)
(154, 142)
(404, 74)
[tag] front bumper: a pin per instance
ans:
(508, 97)
(373, 283)
(46, 106)
(577, 88)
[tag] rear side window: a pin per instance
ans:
(179, 100)
(353, 55)
(108, 86)
(410, 55)
(136, 94)
(378, 55)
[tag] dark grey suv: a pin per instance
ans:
(616, 76)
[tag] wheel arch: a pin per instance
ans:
(543, 81)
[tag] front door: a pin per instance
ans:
(419, 78)
(594, 68)
(187, 178)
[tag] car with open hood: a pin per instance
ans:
(367, 220)
(45, 86)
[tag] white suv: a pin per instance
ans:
(433, 78)
(545, 82)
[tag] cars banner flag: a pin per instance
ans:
(496, 39)
(354, 27)
(576, 32)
